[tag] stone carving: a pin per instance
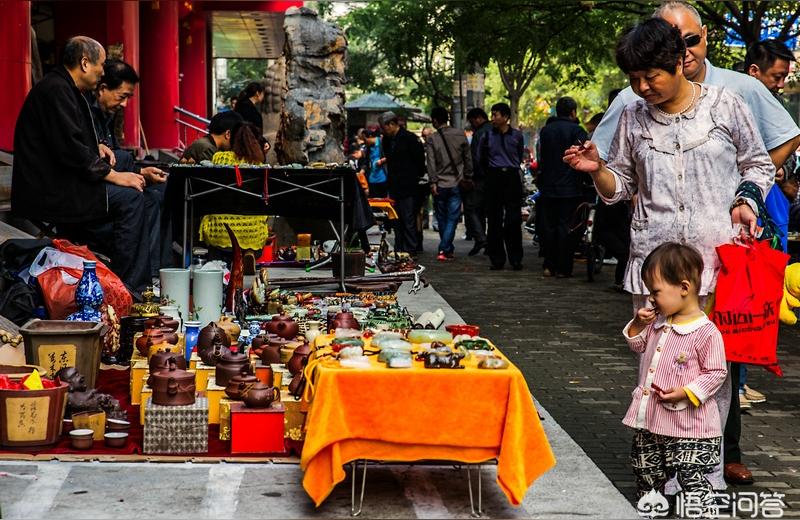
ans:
(313, 118)
(81, 399)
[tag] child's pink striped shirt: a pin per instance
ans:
(690, 355)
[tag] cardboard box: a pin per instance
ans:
(176, 429)
(214, 394)
(257, 430)
(225, 418)
(139, 372)
(294, 422)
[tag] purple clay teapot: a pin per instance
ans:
(261, 395)
(230, 365)
(209, 334)
(282, 325)
(298, 360)
(345, 320)
(211, 355)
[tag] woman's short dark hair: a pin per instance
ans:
(116, 72)
(674, 263)
(651, 44)
(247, 143)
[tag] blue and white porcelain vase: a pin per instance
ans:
(192, 332)
(88, 295)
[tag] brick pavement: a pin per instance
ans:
(565, 335)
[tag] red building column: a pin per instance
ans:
(158, 53)
(123, 29)
(15, 65)
(194, 67)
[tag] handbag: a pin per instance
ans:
(464, 184)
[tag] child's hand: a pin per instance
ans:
(673, 395)
(643, 318)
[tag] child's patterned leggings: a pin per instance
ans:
(657, 458)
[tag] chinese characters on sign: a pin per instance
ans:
(55, 357)
(26, 418)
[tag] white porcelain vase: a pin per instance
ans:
(207, 294)
(175, 289)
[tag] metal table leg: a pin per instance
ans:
(473, 512)
(353, 510)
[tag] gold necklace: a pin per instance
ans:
(691, 102)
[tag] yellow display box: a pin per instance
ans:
(139, 372)
(225, 418)
(147, 392)
(214, 394)
(193, 362)
(203, 374)
(294, 420)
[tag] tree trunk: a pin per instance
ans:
(513, 98)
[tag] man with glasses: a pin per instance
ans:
(781, 137)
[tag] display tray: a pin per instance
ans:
(116, 381)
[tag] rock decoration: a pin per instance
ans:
(313, 118)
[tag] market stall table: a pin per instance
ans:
(467, 415)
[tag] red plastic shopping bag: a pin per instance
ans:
(746, 302)
(58, 280)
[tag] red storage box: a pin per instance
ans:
(257, 430)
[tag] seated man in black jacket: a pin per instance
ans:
(404, 158)
(59, 175)
(107, 102)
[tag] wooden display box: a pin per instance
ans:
(214, 394)
(139, 372)
(294, 422)
(257, 430)
(176, 429)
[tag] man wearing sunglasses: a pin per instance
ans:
(781, 137)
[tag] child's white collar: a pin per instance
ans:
(682, 328)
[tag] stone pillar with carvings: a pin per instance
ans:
(312, 125)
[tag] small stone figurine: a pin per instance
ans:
(80, 399)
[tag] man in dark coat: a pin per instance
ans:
(405, 164)
(562, 189)
(59, 175)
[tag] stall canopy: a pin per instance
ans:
(364, 111)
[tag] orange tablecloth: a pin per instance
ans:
(468, 415)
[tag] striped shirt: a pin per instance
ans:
(690, 355)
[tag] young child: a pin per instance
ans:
(674, 412)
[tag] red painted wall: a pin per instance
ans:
(15, 65)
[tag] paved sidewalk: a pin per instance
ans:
(565, 335)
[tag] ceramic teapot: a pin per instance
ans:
(271, 353)
(212, 354)
(209, 333)
(239, 385)
(230, 327)
(173, 386)
(149, 338)
(345, 320)
(282, 325)
(261, 395)
(166, 325)
(160, 361)
(229, 365)
(298, 359)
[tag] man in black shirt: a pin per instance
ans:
(474, 199)
(561, 189)
(59, 175)
(405, 165)
(501, 152)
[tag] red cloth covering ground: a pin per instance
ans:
(117, 383)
